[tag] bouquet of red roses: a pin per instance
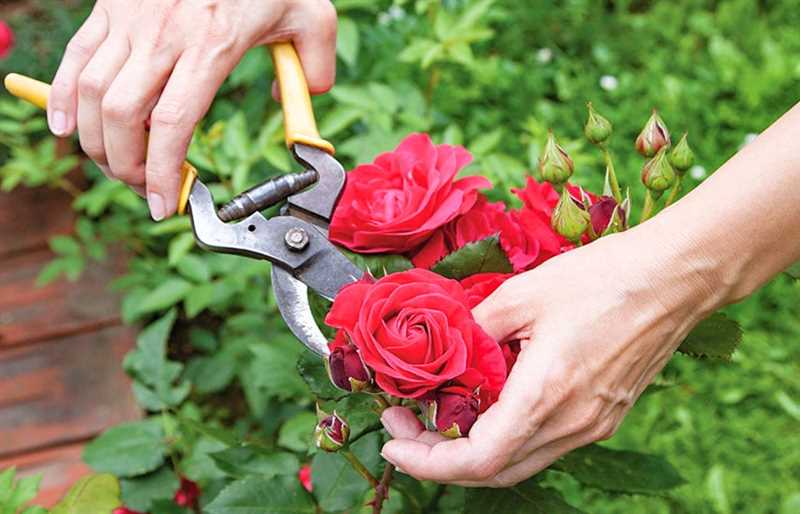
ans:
(434, 247)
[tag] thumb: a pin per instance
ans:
(509, 309)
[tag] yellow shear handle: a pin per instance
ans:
(37, 93)
(298, 115)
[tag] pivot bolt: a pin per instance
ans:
(296, 239)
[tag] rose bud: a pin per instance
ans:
(332, 433)
(187, 493)
(555, 165)
(569, 219)
(658, 174)
(681, 157)
(453, 413)
(304, 476)
(125, 510)
(607, 217)
(345, 366)
(654, 136)
(597, 129)
(6, 39)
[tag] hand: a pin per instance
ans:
(138, 59)
(596, 325)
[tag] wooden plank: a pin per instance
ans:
(29, 217)
(59, 467)
(64, 391)
(30, 314)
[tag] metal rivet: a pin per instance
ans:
(296, 239)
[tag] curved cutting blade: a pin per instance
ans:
(292, 299)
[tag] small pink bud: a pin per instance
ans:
(654, 136)
(607, 217)
(304, 476)
(345, 366)
(453, 413)
(6, 39)
(332, 433)
(187, 494)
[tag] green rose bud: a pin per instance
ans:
(332, 433)
(654, 136)
(597, 129)
(569, 219)
(555, 165)
(681, 157)
(658, 174)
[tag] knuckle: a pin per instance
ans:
(119, 110)
(327, 18)
(604, 430)
(91, 85)
(170, 114)
(80, 45)
(95, 151)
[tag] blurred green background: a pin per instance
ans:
(493, 76)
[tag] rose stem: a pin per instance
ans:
(673, 195)
(382, 490)
(359, 467)
(649, 204)
(612, 174)
(382, 403)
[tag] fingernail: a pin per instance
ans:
(156, 203)
(58, 123)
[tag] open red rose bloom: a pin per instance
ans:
(411, 334)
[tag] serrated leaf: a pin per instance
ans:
(295, 434)
(129, 449)
(139, 493)
(164, 296)
(716, 337)
(526, 498)
(15, 494)
(93, 494)
(620, 471)
(258, 495)
(378, 265)
(337, 486)
(270, 373)
(245, 461)
(483, 256)
(312, 369)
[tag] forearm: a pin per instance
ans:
(737, 229)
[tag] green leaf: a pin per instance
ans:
(619, 471)
(194, 268)
(347, 41)
(179, 246)
(378, 265)
(794, 270)
(296, 433)
(140, 492)
(247, 460)
(156, 378)
(259, 495)
(64, 245)
(526, 498)
(312, 369)
(716, 337)
(129, 449)
(337, 486)
(359, 411)
(14, 495)
(483, 256)
(164, 296)
(211, 374)
(93, 494)
(270, 373)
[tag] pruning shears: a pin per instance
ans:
(296, 241)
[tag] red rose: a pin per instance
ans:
(394, 204)
(415, 332)
(304, 476)
(125, 510)
(511, 350)
(6, 39)
(481, 285)
(484, 219)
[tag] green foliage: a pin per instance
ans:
(619, 471)
(481, 256)
(716, 337)
(529, 497)
(493, 76)
(92, 494)
(16, 493)
(129, 449)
